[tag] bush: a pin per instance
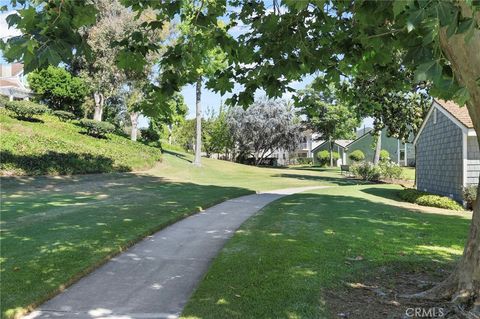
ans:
(304, 160)
(149, 135)
(470, 195)
(427, 199)
(384, 155)
(366, 171)
(97, 128)
(64, 115)
(357, 156)
(324, 157)
(25, 109)
(3, 100)
(390, 170)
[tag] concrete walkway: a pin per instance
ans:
(155, 278)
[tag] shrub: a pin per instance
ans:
(3, 100)
(97, 128)
(149, 135)
(390, 170)
(384, 155)
(64, 115)
(470, 195)
(324, 157)
(25, 109)
(366, 171)
(357, 156)
(304, 160)
(426, 199)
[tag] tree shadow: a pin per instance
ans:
(178, 155)
(316, 169)
(53, 162)
(29, 119)
(308, 244)
(389, 193)
(56, 229)
(342, 181)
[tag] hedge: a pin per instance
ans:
(96, 128)
(324, 157)
(357, 156)
(25, 110)
(426, 199)
(64, 115)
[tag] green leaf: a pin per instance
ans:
(296, 4)
(431, 70)
(445, 13)
(131, 60)
(466, 25)
(399, 6)
(462, 96)
(414, 19)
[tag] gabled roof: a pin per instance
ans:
(460, 113)
(341, 143)
(15, 69)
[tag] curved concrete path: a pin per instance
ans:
(154, 278)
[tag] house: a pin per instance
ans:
(400, 153)
(309, 141)
(339, 146)
(447, 152)
(13, 82)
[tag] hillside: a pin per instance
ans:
(50, 146)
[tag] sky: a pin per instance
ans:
(210, 100)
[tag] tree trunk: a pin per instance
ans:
(134, 120)
(463, 285)
(99, 102)
(378, 148)
(331, 152)
(198, 139)
(169, 134)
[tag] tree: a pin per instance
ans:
(438, 40)
(98, 66)
(331, 120)
(57, 88)
(398, 108)
(216, 136)
(202, 58)
(266, 126)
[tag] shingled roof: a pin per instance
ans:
(460, 113)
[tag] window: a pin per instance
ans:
(402, 155)
(434, 116)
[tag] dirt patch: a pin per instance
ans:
(378, 297)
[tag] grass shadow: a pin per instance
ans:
(29, 119)
(178, 155)
(341, 181)
(53, 162)
(306, 244)
(389, 193)
(55, 230)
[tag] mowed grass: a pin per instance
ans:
(55, 229)
(50, 146)
(280, 262)
(409, 173)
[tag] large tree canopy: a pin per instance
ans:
(437, 40)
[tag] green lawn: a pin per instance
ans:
(280, 262)
(409, 173)
(49, 146)
(54, 229)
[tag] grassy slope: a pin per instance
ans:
(54, 229)
(281, 261)
(55, 147)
